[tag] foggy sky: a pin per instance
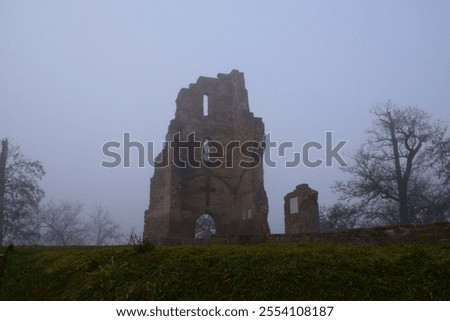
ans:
(76, 74)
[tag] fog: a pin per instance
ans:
(77, 74)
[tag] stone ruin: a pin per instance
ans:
(301, 211)
(219, 171)
(214, 111)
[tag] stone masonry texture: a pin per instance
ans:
(301, 211)
(233, 195)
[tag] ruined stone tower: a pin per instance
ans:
(223, 176)
(301, 210)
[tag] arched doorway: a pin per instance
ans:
(205, 227)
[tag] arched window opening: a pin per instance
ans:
(205, 227)
(206, 148)
(205, 105)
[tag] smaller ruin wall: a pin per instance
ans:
(301, 211)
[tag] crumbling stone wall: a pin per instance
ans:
(301, 211)
(232, 194)
(437, 233)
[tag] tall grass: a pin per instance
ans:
(239, 272)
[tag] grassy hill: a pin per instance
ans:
(229, 272)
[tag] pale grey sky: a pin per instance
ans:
(75, 74)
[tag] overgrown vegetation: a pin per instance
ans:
(240, 272)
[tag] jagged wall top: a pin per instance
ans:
(226, 95)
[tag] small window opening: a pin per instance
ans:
(293, 205)
(205, 105)
(206, 149)
(246, 213)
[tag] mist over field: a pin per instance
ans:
(75, 75)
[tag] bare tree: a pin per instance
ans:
(442, 159)
(61, 224)
(20, 195)
(102, 229)
(397, 174)
(3, 158)
(340, 216)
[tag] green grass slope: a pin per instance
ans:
(238, 272)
